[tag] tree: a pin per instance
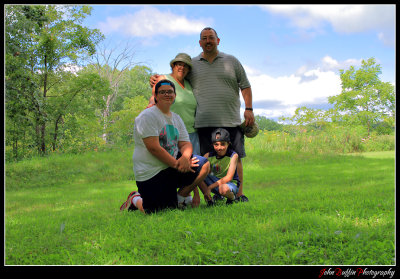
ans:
(79, 94)
(316, 118)
(124, 119)
(267, 124)
(112, 66)
(365, 99)
(44, 38)
(134, 83)
(21, 86)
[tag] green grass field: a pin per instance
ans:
(304, 209)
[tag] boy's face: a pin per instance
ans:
(221, 147)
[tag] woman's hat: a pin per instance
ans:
(249, 131)
(182, 57)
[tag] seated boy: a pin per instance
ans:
(223, 178)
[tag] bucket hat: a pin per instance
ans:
(249, 131)
(181, 57)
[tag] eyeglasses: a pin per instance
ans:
(182, 64)
(163, 92)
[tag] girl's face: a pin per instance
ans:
(165, 95)
(221, 147)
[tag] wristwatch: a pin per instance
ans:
(249, 109)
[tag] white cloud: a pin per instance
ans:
(387, 38)
(330, 64)
(150, 22)
(71, 68)
(327, 64)
(281, 96)
(343, 18)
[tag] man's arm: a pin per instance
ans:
(248, 100)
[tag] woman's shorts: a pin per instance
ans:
(210, 179)
(160, 191)
(194, 139)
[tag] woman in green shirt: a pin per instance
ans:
(185, 102)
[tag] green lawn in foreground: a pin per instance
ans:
(304, 209)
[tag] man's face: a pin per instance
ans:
(208, 41)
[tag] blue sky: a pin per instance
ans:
(292, 53)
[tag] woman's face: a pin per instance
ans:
(180, 69)
(165, 95)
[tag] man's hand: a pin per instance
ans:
(249, 117)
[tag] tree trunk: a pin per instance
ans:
(43, 127)
(106, 115)
(56, 132)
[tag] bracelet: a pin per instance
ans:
(249, 109)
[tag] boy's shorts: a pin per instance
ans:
(210, 179)
(236, 136)
(160, 191)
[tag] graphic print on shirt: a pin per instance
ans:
(216, 169)
(168, 138)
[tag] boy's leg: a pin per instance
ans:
(192, 180)
(229, 190)
(202, 173)
(237, 140)
(206, 192)
(226, 191)
(240, 174)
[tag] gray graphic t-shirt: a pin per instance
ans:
(153, 123)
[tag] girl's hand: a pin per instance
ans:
(184, 165)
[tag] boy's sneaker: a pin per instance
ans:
(218, 197)
(210, 203)
(229, 201)
(128, 204)
(242, 198)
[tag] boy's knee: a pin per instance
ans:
(223, 189)
(205, 169)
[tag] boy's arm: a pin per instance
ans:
(229, 176)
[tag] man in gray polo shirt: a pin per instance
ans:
(216, 79)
